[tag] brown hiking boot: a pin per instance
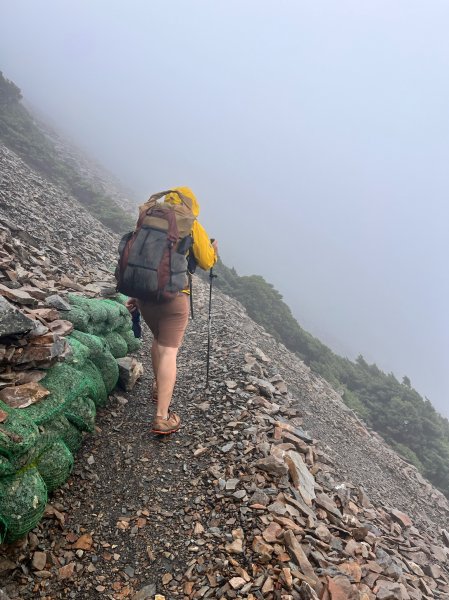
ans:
(166, 426)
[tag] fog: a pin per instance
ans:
(315, 135)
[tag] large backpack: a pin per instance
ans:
(153, 259)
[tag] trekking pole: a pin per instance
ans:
(211, 279)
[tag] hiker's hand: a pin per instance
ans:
(131, 304)
(215, 246)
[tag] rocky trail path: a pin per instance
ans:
(216, 510)
(271, 489)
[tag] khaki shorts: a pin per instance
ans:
(167, 320)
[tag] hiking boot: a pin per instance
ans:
(166, 426)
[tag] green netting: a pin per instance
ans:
(60, 427)
(43, 437)
(55, 464)
(121, 298)
(17, 434)
(109, 370)
(80, 353)
(23, 497)
(100, 394)
(132, 342)
(79, 319)
(81, 412)
(96, 309)
(96, 345)
(6, 466)
(65, 384)
(117, 344)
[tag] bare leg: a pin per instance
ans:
(155, 359)
(166, 378)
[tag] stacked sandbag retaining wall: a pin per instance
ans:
(38, 442)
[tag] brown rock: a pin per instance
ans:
(307, 593)
(236, 547)
(288, 524)
(286, 571)
(272, 533)
(262, 548)
(130, 370)
(21, 396)
(17, 296)
(70, 284)
(352, 569)
(66, 572)
(433, 571)
(48, 314)
(39, 561)
(268, 586)
(7, 565)
(340, 588)
(323, 533)
(61, 327)
(237, 582)
(403, 519)
(84, 542)
(301, 477)
(328, 504)
(272, 465)
(297, 554)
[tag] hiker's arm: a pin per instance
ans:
(203, 250)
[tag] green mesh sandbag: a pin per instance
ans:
(65, 384)
(23, 497)
(95, 308)
(96, 345)
(118, 316)
(6, 466)
(18, 462)
(60, 427)
(17, 434)
(80, 353)
(55, 464)
(108, 368)
(79, 319)
(98, 394)
(113, 310)
(132, 342)
(81, 412)
(117, 344)
(120, 298)
(97, 311)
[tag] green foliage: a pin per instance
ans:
(19, 132)
(395, 410)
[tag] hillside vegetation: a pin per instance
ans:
(394, 409)
(19, 132)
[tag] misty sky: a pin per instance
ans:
(315, 135)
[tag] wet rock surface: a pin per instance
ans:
(271, 489)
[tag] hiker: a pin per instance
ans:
(168, 320)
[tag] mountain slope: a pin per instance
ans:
(19, 131)
(243, 502)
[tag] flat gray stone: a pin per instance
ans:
(12, 321)
(57, 302)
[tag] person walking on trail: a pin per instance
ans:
(168, 319)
